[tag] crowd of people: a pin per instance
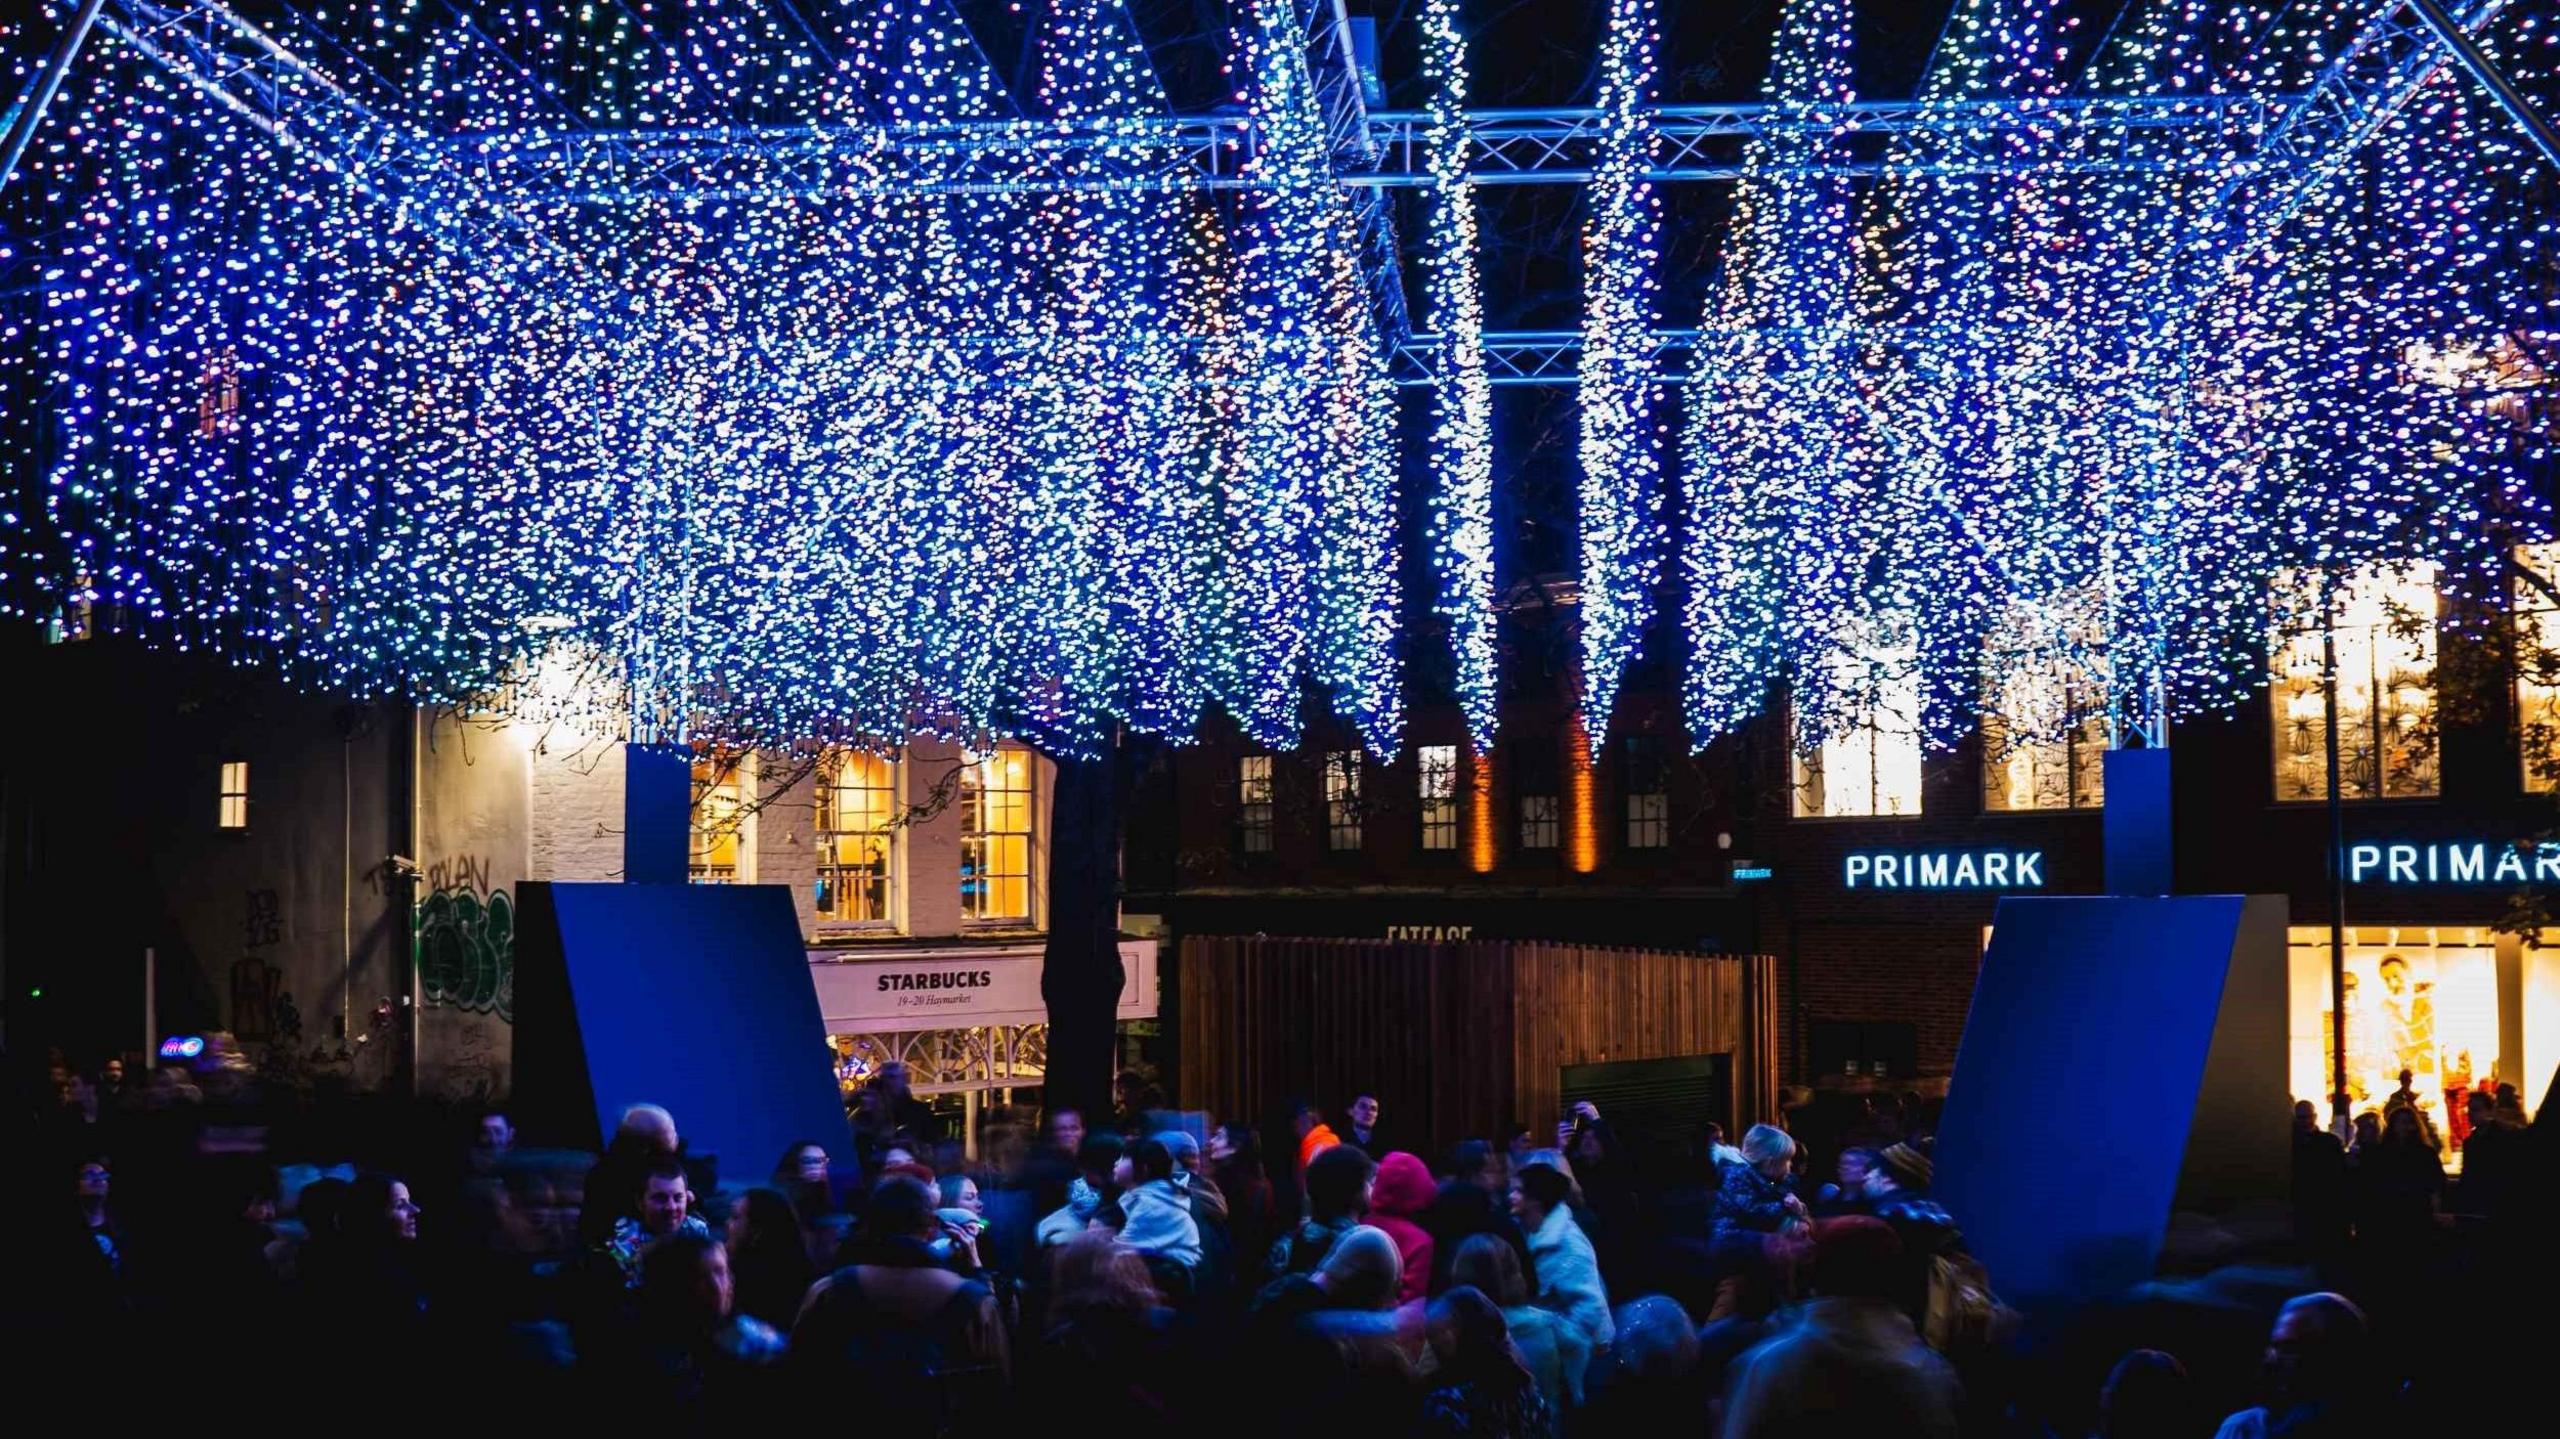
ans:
(1161, 1272)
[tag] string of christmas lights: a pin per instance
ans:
(1462, 401)
(1778, 458)
(1620, 492)
(2034, 424)
(757, 467)
(2046, 438)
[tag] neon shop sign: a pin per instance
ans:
(1946, 869)
(2477, 862)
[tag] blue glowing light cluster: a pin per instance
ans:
(1335, 460)
(2077, 414)
(1462, 399)
(682, 439)
(1779, 457)
(736, 463)
(1620, 496)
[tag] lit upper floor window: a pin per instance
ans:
(1436, 787)
(232, 789)
(1253, 804)
(1871, 766)
(218, 397)
(719, 820)
(2536, 593)
(2385, 634)
(2044, 717)
(996, 837)
(857, 818)
(1342, 799)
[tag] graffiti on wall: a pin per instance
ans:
(261, 919)
(467, 940)
(262, 1009)
(471, 1063)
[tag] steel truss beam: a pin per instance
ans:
(1537, 357)
(492, 186)
(234, 63)
(2484, 72)
(1705, 142)
(1509, 147)
(1355, 153)
(2372, 77)
(18, 127)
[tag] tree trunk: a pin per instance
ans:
(1080, 975)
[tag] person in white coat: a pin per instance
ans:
(1568, 1272)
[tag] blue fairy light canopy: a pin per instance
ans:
(780, 371)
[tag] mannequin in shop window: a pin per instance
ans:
(2409, 1028)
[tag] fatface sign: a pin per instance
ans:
(1945, 869)
(2458, 862)
(958, 989)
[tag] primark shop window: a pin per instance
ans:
(2461, 1008)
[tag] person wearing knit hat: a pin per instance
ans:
(1362, 1271)
(1898, 1185)
(1904, 1168)
(1208, 1203)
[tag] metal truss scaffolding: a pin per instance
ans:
(2274, 151)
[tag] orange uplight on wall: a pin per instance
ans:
(1482, 851)
(1581, 819)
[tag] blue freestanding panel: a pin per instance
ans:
(693, 996)
(2122, 1057)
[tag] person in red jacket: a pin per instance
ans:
(1403, 1191)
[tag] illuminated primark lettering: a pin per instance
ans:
(2460, 862)
(1944, 869)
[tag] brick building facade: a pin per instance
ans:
(1876, 978)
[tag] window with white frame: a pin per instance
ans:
(1342, 799)
(995, 837)
(719, 820)
(2384, 628)
(1436, 786)
(1537, 794)
(1254, 826)
(1871, 766)
(858, 811)
(1645, 786)
(232, 791)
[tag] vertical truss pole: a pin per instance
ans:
(2476, 63)
(30, 114)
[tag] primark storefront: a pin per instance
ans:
(1879, 893)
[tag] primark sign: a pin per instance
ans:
(2458, 862)
(1945, 869)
